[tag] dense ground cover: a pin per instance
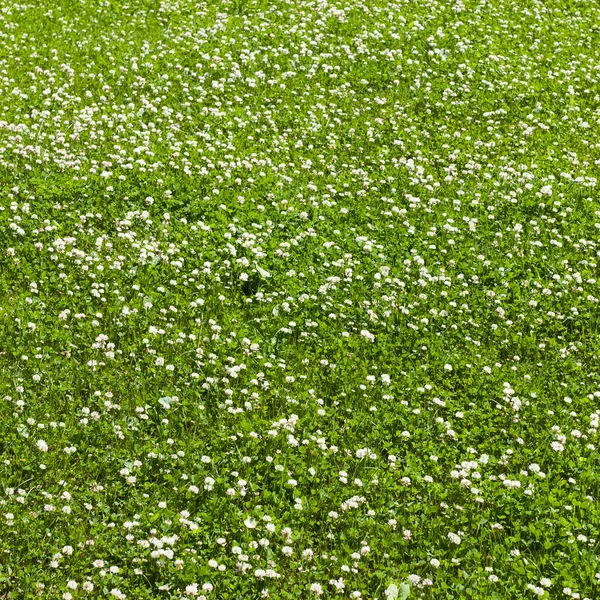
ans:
(299, 299)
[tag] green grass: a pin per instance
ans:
(295, 296)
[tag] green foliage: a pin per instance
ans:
(299, 299)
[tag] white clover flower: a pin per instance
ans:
(367, 335)
(191, 589)
(454, 538)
